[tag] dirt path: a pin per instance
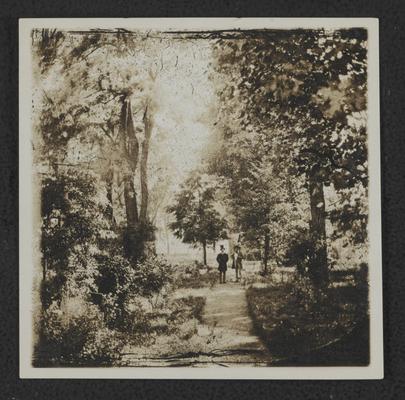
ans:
(226, 317)
(226, 334)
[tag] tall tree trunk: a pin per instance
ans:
(266, 251)
(143, 214)
(109, 187)
(205, 252)
(319, 265)
(130, 152)
(131, 208)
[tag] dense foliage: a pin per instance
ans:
(197, 221)
(92, 154)
(286, 169)
(301, 326)
(292, 127)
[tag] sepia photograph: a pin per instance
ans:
(200, 198)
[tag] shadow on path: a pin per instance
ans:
(227, 330)
(226, 315)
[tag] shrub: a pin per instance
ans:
(135, 321)
(186, 308)
(300, 253)
(195, 278)
(72, 218)
(76, 334)
(253, 254)
(121, 287)
(114, 283)
(134, 240)
(151, 276)
(295, 318)
(103, 346)
(127, 316)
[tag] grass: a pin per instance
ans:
(176, 333)
(186, 308)
(195, 278)
(300, 326)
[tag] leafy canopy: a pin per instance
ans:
(197, 220)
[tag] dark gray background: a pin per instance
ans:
(392, 70)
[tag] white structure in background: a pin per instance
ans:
(234, 238)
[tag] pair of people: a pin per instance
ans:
(222, 259)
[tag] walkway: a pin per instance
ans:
(226, 332)
(226, 314)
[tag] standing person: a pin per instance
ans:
(222, 259)
(237, 262)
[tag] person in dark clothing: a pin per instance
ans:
(222, 259)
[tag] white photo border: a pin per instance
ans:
(26, 194)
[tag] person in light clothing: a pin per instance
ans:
(237, 262)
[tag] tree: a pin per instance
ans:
(110, 115)
(75, 229)
(300, 91)
(197, 220)
(263, 202)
